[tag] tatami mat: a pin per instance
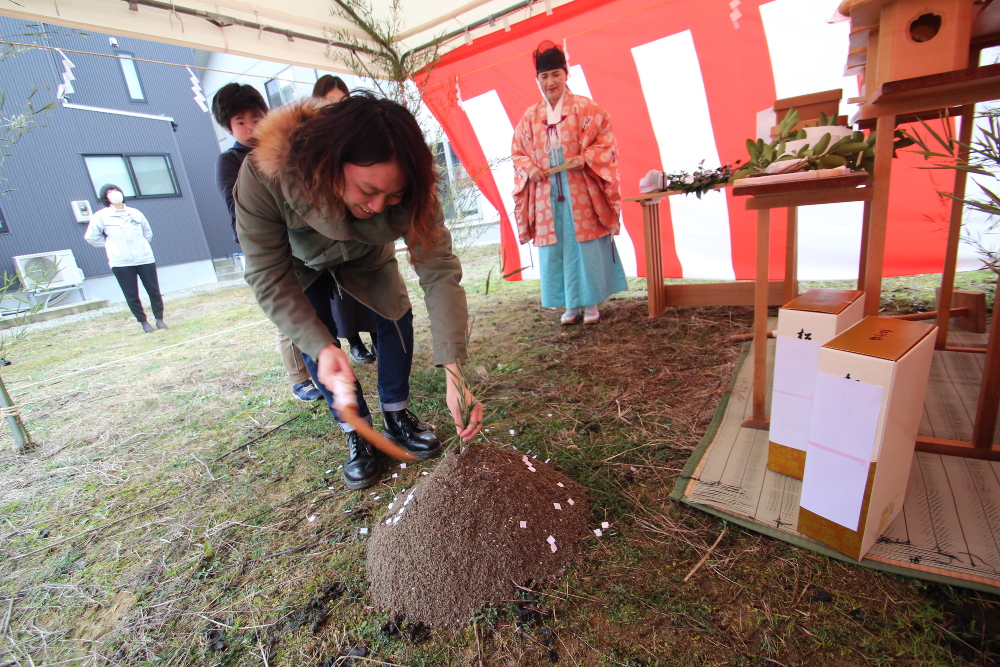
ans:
(949, 528)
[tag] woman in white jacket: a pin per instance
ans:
(124, 234)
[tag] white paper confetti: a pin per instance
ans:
(513, 432)
(532, 469)
(524, 459)
(424, 472)
(554, 548)
(391, 504)
(560, 485)
(571, 502)
(632, 468)
(363, 531)
(550, 414)
(550, 539)
(330, 488)
(388, 521)
(605, 525)
(395, 475)
(377, 497)
(340, 466)
(328, 472)
(372, 493)
(597, 531)
(524, 524)
(312, 518)
(402, 466)
(557, 506)
(547, 460)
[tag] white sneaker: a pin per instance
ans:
(571, 316)
(591, 315)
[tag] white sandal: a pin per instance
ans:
(571, 316)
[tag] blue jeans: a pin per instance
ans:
(395, 352)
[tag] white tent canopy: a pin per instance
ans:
(297, 32)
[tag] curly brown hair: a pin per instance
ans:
(364, 130)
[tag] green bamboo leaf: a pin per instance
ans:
(989, 193)
(944, 144)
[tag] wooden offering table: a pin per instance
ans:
(790, 195)
(661, 295)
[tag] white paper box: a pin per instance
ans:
(866, 411)
(804, 325)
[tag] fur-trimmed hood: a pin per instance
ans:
(273, 135)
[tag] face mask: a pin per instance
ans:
(115, 197)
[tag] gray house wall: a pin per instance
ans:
(47, 170)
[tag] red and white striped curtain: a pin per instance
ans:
(684, 81)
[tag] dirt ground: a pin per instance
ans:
(181, 509)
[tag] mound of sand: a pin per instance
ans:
(485, 521)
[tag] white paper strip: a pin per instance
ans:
(795, 364)
(841, 439)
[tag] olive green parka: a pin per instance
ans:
(288, 244)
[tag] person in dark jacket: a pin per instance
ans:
(238, 109)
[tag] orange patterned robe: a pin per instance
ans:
(594, 191)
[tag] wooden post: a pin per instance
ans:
(989, 392)
(758, 418)
(654, 257)
(866, 225)
(954, 231)
(885, 127)
(791, 255)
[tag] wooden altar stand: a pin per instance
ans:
(929, 97)
(661, 295)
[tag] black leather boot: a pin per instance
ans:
(403, 428)
(362, 468)
(359, 352)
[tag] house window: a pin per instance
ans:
(137, 175)
(281, 89)
(131, 74)
(3, 224)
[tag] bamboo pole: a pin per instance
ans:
(22, 440)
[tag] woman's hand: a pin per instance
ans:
(536, 175)
(459, 396)
(333, 370)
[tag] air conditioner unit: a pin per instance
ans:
(48, 270)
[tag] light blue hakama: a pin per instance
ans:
(576, 274)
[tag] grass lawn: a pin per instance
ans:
(164, 520)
